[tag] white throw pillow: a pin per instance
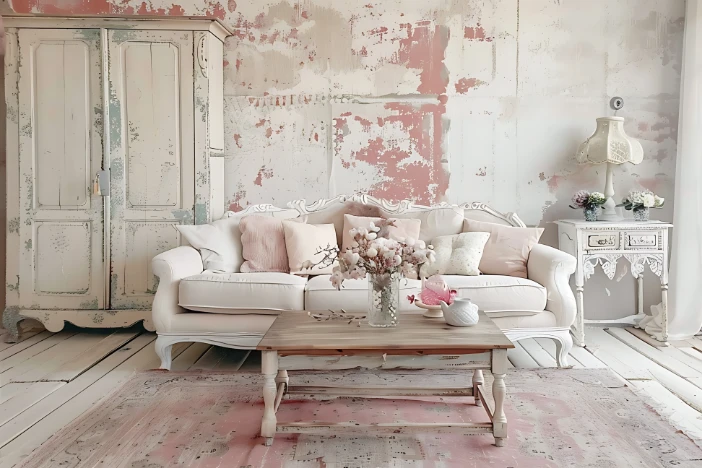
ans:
(459, 254)
(305, 242)
(219, 243)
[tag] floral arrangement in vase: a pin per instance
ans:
(434, 291)
(383, 260)
(639, 202)
(590, 203)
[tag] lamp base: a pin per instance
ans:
(609, 212)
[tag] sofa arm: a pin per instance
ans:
(552, 268)
(170, 267)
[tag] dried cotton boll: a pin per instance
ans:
(371, 236)
(371, 252)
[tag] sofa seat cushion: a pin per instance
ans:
(500, 296)
(242, 293)
(353, 295)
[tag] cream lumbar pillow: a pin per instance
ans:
(507, 251)
(305, 242)
(458, 254)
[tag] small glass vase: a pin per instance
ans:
(641, 214)
(591, 214)
(383, 300)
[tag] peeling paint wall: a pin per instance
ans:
(439, 100)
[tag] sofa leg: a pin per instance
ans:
(163, 348)
(564, 343)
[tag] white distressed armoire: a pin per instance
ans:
(114, 135)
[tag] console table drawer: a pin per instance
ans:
(641, 240)
(602, 240)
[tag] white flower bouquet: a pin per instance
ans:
(639, 199)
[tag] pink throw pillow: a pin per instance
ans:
(263, 244)
(403, 229)
(507, 251)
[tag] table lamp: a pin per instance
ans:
(610, 145)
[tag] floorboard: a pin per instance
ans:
(221, 359)
(19, 360)
(655, 354)
(586, 358)
(189, 357)
(26, 342)
(23, 396)
(542, 358)
(520, 358)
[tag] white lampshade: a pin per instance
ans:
(610, 145)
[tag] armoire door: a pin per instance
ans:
(60, 150)
(151, 155)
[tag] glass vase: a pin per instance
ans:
(592, 213)
(383, 300)
(641, 214)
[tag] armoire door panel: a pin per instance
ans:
(151, 155)
(61, 221)
(152, 102)
(66, 244)
(62, 126)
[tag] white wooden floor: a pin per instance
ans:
(47, 380)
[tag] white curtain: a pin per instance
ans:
(685, 295)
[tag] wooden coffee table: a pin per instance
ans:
(297, 334)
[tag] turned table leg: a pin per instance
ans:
(478, 380)
(499, 391)
(282, 377)
(269, 369)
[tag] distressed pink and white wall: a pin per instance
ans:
(435, 100)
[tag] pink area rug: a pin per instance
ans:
(557, 418)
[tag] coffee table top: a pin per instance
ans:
(295, 332)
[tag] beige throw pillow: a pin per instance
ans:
(403, 229)
(304, 242)
(507, 250)
(459, 254)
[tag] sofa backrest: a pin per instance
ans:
(439, 220)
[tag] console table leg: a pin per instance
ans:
(269, 369)
(499, 391)
(579, 325)
(478, 380)
(664, 312)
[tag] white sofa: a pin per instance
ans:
(236, 309)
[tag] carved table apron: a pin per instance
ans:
(604, 243)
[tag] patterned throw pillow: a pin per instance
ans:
(459, 254)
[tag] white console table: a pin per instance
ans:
(604, 243)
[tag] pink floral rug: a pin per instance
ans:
(557, 418)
